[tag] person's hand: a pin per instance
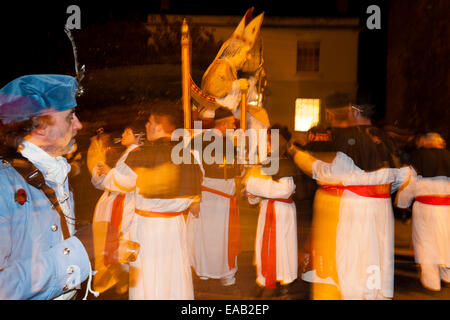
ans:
(120, 250)
(128, 251)
(243, 84)
(251, 196)
(195, 209)
(102, 168)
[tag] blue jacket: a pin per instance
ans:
(35, 261)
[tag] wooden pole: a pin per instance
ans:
(244, 124)
(185, 73)
(244, 110)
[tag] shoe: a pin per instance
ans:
(281, 292)
(284, 290)
(258, 292)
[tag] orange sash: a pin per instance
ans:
(113, 230)
(234, 227)
(435, 200)
(269, 244)
(151, 214)
(381, 191)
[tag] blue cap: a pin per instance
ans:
(36, 95)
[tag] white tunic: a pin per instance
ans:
(208, 234)
(115, 183)
(365, 230)
(430, 223)
(162, 270)
(286, 226)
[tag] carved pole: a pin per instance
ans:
(185, 73)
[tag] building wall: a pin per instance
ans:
(337, 68)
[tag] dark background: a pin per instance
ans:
(405, 64)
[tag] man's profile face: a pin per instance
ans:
(152, 128)
(61, 131)
(128, 137)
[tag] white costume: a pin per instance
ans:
(430, 227)
(114, 184)
(162, 270)
(286, 226)
(209, 246)
(208, 234)
(365, 229)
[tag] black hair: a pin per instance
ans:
(172, 111)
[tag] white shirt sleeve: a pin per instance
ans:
(268, 188)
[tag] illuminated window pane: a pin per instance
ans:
(307, 113)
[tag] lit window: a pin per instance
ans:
(308, 54)
(307, 112)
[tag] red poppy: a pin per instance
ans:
(20, 196)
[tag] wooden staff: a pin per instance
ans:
(244, 110)
(185, 73)
(244, 123)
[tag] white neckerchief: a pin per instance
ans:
(55, 169)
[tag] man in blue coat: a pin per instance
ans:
(42, 256)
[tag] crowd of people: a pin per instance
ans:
(159, 221)
(140, 241)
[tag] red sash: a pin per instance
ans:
(234, 227)
(114, 229)
(269, 244)
(380, 191)
(435, 200)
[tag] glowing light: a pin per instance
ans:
(307, 112)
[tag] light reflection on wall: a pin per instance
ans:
(307, 112)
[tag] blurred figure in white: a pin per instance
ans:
(353, 227)
(165, 192)
(214, 235)
(114, 210)
(429, 189)
(276, 255)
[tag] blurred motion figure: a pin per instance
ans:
(276, 236)
(353, 227)
(164, 192)
(429, 189)
(114, 210)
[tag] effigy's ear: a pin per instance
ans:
(239, 32)
(251, 31)
(240, 29)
